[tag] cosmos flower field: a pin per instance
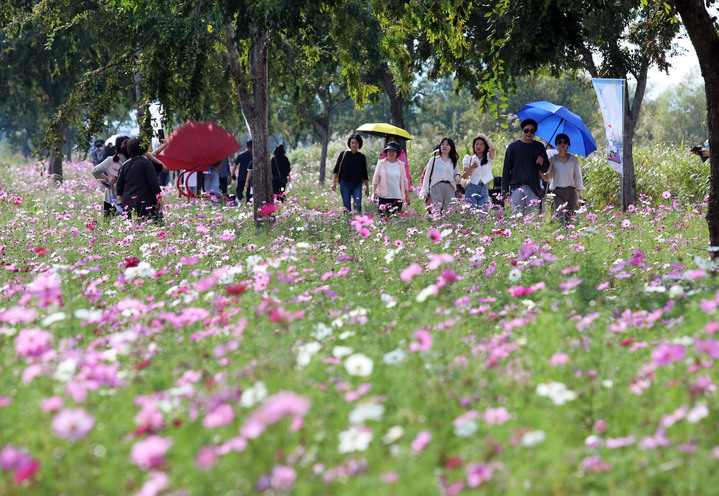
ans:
(321, 354)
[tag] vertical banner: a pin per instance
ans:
(610, 93)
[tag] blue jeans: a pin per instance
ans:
(477, 194)
(350, 192)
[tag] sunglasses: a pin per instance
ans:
(562, 142)
(529, 130)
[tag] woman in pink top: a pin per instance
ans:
(390, 181)
(391, 138)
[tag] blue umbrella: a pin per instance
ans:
(553, 120)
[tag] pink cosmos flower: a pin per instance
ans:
(222, 415)
(708, 346)
(666, 195)
(273, 409)
(420, 442)
(558, 359)
(283, 477)
(72, 423)
(51, 404)
(434, 235)
(158, 482)
(666, 353)
(33, 342)
(477, 474)
(410, 272)
(424, 341)
(496, 416)
(150, 453)
(388, 477)
(436, 261)
(206, 458)
(620, 442)
(595, 464)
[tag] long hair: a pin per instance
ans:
(119, 142)
(485, 155)
(452, 150)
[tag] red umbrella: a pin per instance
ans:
(197, 144)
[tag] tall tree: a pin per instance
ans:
(309, 72)
(607, 39)
(703, 32)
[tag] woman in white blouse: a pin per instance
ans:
(566, 179)
(390, 181)
(442, 176)
(478, 169)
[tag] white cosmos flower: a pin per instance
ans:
(366, 411)
(467, 428)
(426, 292)
(88, 315)
(302, 244)
(393, 434)
(515, 275)
(51, 319)
(356, 438)
(676, 291)
(65, 370)
(557, 392)
(322, 331)
(394, 357)
(340, 351)
(255, 394)
(697, 413)
(359, 365)
(533, 438)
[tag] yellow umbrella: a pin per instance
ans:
(383, 129)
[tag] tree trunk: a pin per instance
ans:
(54, 165)
(631, 117)
(703, 35)
(325, 141)
(68, 144)
(396, 101)
(255, 106)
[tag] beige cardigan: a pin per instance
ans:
(379, 181)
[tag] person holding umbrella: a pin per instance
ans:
(390, 181)
(566, 179)
(351, 171)
(523, 161)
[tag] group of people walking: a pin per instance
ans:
(130, 175)
(527, 172)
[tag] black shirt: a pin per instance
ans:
(520, 165)
(243, 160)
(138, 185)
(280, 167)
(354, 167)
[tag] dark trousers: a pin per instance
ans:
(108, 210)
(223, 185)
(240, 192)
(565, 202)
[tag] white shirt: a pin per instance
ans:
(482, 173)
(440, 170)
(393, 179)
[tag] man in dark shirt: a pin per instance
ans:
(242, 160)
(523, 161)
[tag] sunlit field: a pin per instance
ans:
(329, 354)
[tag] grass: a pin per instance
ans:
(618, 308)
